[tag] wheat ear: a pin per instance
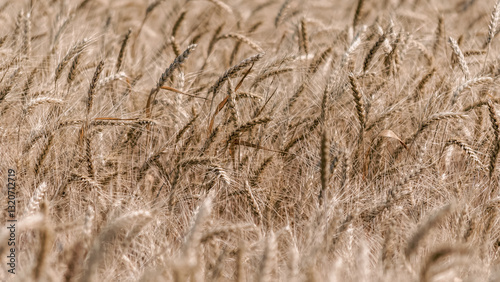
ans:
(496, 145)
(424, 229)
(166, 75)
(461, 59)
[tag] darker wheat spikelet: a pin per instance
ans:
(166, 75)
(373, 50)
(439, 34)
(357, 13)
(178, 23)
(43, 154)
(246, 127)
(232, 72)
(88, 156)
(420, 87)
(424, 229)
(258, 172)
(325, 154)
(314, 124)
(119, 61)
(281, 13)
(72, 73)
(93, 86)
(358, 99)
(496, 141)
(304, 36)
(77, 48)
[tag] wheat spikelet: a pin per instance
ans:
(421, 84)
(428, 55)
(178, 23)
(373, 50)
(212, 42)
(325, 154)
(283, 9)
(242, 38)
(88, 156)
(436, 256)
(357, 13)
(185, 128)
(232, 72)
(492, 27)
(358, 99)
(27, 35)
(304, 36)
(267, 263)
(423, 230)
(470, 53)
(257, 173)
(8, 87)
(43, 154)
(196, 161)
(77, 48)
(119, 60)
(439, 33)
(93, 85)
(272, 73)
(249, 95)
(45, 244)
(35, 200)
(469, 83)
(107, 235)
(40, 101)
(74, 262)
(496, 142)
(166, 75)
(246, 127)
(466, 148)
(72, 73)
(223, 230)
(430, 121)
(356, 42)
(314, 124)
(461, 59)
(223, 6)
(321, 58)
(193, 238)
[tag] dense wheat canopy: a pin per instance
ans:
(221, 140)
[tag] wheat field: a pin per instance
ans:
(266, 140)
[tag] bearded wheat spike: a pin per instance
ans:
(461, 59)
(492, 27)
(36, 199)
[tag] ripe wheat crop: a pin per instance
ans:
(230, 140)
